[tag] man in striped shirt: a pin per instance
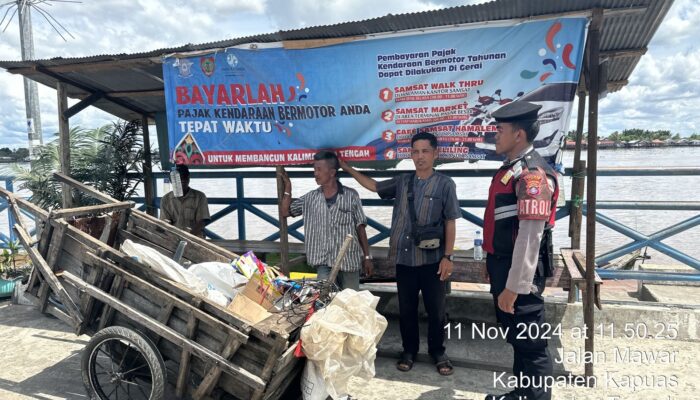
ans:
(331, 212)
(419, 269)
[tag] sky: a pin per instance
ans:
(663, 92)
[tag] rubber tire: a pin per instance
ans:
(142, 343)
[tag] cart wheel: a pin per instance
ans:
(122, 363)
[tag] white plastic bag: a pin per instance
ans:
(220, 276)
(341, 339)
(165, 266)
(312, 385)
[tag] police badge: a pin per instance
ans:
(184, 68)
(208, 65)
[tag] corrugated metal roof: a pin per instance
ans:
(620, 31)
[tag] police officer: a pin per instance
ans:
(517, 238)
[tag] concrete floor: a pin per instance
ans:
(41, 360)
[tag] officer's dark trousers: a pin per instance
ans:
(531, 358)
(410, 281)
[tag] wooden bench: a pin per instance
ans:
(575, 267)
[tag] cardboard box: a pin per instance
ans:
(247, 310)
(261, 291)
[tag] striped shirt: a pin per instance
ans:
(435, 199)
(325, 227)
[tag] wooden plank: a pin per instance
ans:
(96, 194)
(580, 260)
(56, 243)
(49, 277)
(24, 204)
(156, 224)
(572, 270)
(269, 365)
(313, 43)
(12, 203)
(90, 210)
(169, 334)
(168, 299)
(183, 374)
(50, 309)
(43, 296)
(87, 302)
(212, 376)
(45, 239)
(169, 238)
(108, 311)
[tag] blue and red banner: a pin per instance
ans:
(366, 98)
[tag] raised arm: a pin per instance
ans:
(287, 195)
(364, 180)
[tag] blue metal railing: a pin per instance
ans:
(241, 205)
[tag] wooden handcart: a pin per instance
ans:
(152, 338)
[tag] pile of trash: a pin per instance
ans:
(339, 330)
(247, 287)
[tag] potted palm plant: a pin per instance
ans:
(10, 272)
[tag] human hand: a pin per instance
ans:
(445, 269)
(506, 301)
(368, 267)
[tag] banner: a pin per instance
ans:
(366, 98)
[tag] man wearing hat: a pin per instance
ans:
(517, 239)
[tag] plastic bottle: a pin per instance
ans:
(176, 182)
(478, 251)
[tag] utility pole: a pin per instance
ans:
(31, 92)
(22, 8)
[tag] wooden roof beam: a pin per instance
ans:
(137, 93)
(92, 91)
(83, 104)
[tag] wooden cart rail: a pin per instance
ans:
(98, 286)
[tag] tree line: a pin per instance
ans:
(16, 155)
(637, 134)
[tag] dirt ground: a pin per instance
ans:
(41, 360)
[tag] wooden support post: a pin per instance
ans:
(147, 169)
(576, 212)
(64, 141)
(284, 233)
(578, 179)
(589, 300)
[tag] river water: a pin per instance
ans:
(662, 188)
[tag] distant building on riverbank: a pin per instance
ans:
(635, 144)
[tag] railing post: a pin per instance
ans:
(240, 195)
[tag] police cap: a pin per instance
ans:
(517, 111)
